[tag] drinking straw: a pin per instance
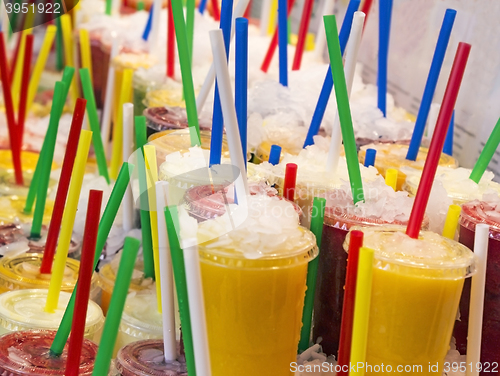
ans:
(108, 97)
(320, 40)
(151, 179)
(40, 183)
(190, 7)
(343, 108)
(109, 6)
(448, 142)
(385, 13)
(290, 181)
(23, 94)
(391, 178)
(345, 340)
(361, 314)
(9, 112)
(430, 86)
(272, 16)
(62, 188)
(187, 78)
(318, 215)
(116, 305)
(149, 23)
(228, 110)
(332, 161)
(84, 282)
(275, 154)
(303, 28)
(68, 51)
(128, 149)
(241, 80)
(264, 16)
(43, 54)
(125, 92)
(451, 222)
(59, 46)
(170, 41)
(283, 42)
(166, 278)
(155, 28)
(217, 121)
(17, 69)
(476, 304)
(172, 220)
(370, 157)
(85, 52)
(486, 154)
(327, 87)
(202, 6)
(216, 10)
(140, 5)
(88, 93)
(68, 221)
(432, 161)
(107, 219)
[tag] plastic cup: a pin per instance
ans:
(416, 289)
(394, 156)
(28, 354)
(170, 97)
(25, 310)
(12, 210)
(134, 61)
(146, 358)
(472, 214)
(142, 84)
(164, 118)
(10, 233)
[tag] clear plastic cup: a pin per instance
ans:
(171, 97)
(165, 118)
(25, 310)
(28, 354)
(416, 289)
(133, 61)
(12, 210)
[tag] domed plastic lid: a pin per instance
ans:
(487, 212)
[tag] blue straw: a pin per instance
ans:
(430, 86)
(241, 80)
(147, 29)
(202, 7)
(275, 155)
(383, 52)
(326, 90)
(370, 157)
(226, 15)
(448, 142)
(283, 41)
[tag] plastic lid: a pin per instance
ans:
(476, 212)
(141, 315)
(10, 233)
(107, 276)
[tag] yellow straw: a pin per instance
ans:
(68, 221)
(85, 52)
(152, 178)
(18, 69)
(361, 310)
(116, 96)
(48, 40)
(124, 97)
(272, 17)
(451, 223)
(68, 52)
(391, 178)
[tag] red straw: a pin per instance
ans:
(9, 111)
(216, 10)
(248, 11)
(15, 57)
(438, 138)
(367, 5)
(304, 26)
(62, 189)
(290, 181)
(170, 42)
(355, 243)
(274, 43)
(84, 279)
(23, 95)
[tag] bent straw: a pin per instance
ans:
(451, 222)
(384, 33)
(303, 28)
(432, 161)
(23, 95)
(486, 154)
(283, 42)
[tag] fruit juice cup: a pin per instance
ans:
(142, 86)
(416, 289)
(254, 282)
(22, 272)
(473, 213)
(10, 233)
(25, 310)
(145, 358)
(134, 61)
(263, 151)
(28, 354)
(165, 96)
(11, 210)
(164, 118)
(394, 156)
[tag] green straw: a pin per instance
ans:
(59, 46)
(116, 305)
(318, 215)
(486, 155)
(140, 5)
(179, 269)
(32, 192)
(42, 181)
(107, 219)
(109, 6)
(190, 6)
(88, 93)
(187, 77)
(337, 67)
(147, 241)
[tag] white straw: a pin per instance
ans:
(206, 88)
(264, 16)
(227, 104)
(477, 299)
(115, 7)
(349, 68)
(128, 149)
(155, 28)
(432, 119)
(166, 276)
(108, 98)
(320, 42)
